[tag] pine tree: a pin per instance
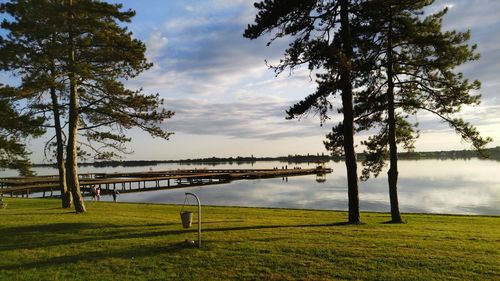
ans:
(89, 54)
(322, 40)
(31, 51)
(15, 127)
(410, 65)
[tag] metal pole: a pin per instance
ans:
(199, 216)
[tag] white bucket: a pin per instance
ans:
(187, 219)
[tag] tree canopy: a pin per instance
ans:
(15, 128)
(411, 56)
(395, 59)
(320, 33)
(73, 57)
(410, 65)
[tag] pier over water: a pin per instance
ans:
(145, 181)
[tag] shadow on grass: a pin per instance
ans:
(221, 229)
(70, 227)
(38, 214)
(55, 234)
(221, 221)
(129, 253)
(258, 227)
(394, 222)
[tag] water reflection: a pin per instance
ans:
(444, 186)
(425, 186)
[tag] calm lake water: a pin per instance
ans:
(425, 186)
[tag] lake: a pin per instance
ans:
(425, 186)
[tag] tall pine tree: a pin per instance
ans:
(31, 51)
(89, 54)
(322, 40)
(410, 64)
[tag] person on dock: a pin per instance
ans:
(98, 193)
(115, 194)
(93, 192)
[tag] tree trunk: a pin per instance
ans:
(65, 192)
(392, 174)
(348, 123)
(71, 150)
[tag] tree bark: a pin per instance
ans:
(65, 192)
(71, 150)
(348, 123)
(392, 174)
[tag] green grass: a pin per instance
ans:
(40, 241)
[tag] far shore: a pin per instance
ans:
(489, 154)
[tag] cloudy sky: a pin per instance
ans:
(228, 103)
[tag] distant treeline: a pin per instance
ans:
(291, 159)
(494, 154)
(491, 153)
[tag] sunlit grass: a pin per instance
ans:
(40, 241)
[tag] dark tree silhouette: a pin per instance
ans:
(15, 127)
(322, 40)
(88, 54)
(31, 50)
(409, 63)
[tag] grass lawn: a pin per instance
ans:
(118, 241)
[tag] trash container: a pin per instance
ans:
(187, 219)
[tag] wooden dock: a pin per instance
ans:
(143, 181)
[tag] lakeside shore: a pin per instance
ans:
(146, 242)
(491, 153)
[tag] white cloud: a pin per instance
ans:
(215, 79)
(189, 8)
(255, 120)
(180, 24)
(156, 45)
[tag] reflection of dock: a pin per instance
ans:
(144, 181)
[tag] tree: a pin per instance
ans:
(410, 64)
(30, 50)
(90, 53)
(321, 39)
(15, 127)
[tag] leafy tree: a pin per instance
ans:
(410, 65)
(31, 51)
(89, 54)
(15, 127)
(321, 39)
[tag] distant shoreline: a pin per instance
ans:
(493, 153)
